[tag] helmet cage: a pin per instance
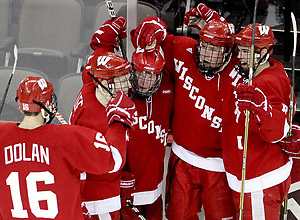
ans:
(114, 83)
(145, 83)
(211, 58)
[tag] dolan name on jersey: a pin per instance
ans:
(18, 152)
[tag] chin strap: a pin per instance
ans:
(48, 118)
(264, 59)
(99, 83)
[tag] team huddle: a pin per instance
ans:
(109, 162)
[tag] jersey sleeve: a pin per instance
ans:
(277, 91)
(91, 152)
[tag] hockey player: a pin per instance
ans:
(152, 93)
(196, 175)
(267, 167)
(153, 96)
(110, 72)
(41, 163)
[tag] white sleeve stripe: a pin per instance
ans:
(111, 28)
(285, 131)
(124, 111)
(117, 158)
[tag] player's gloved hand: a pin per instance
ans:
(127, 186)
(200, 15)
(107, 33)
(291, 146)
(252, 98)
(149, 34)
(120, 109)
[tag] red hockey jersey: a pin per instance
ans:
(146, 147)
(196, 125)
(266, 164)
(101, 193)
(40, 168)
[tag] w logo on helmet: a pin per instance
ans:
(103, 60)
(42, 83)
(263, 29)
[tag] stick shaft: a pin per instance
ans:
(251, 67)
(10, 78)
(291, 110)
(60, 118)
(112, 14)
(135, 209)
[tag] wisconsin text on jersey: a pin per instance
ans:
(199, 100)
(160, 133)
(18, 152)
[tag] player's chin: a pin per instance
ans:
(143, 89)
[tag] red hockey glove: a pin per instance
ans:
(107, 33)
(150, 31)
(252, 98)
(291, 146)
(127, 186)
(120, 109)
(200, 15)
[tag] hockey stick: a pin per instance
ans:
(10, 78)
(293, 73)
(60, 118)
(291, 112)
(135, 209)
(251, 67)
(112, 14)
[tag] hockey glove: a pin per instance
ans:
(200, 15)
(120, 109)
(127, 186)
(291, 146)
(107, 33)
(252, 98)
(149, 34)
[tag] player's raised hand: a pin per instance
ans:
(200, 15)
(120, 109)
(107, 33)
(291, 146)
(150, 31)
(252, 98)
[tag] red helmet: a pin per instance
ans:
(153, 61)
(147, 74)
(264, 36)
(219, 33)
(33, 90)
(109, 65)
